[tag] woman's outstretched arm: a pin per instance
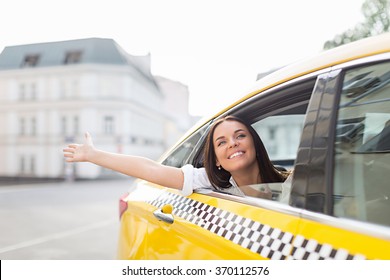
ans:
(135, 166)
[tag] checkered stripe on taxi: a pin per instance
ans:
(267, 241)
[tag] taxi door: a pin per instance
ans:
(341, 172)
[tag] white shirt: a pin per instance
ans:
(195, 179)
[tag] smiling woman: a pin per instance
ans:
(234, 157)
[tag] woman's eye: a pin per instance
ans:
(241, 136)
(221, 143)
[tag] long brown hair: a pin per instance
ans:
(220, 178)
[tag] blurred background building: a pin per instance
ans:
(51, 93)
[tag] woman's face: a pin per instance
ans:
(234, 147)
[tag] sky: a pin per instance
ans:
(215, 47)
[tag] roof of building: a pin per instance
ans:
(79, 51)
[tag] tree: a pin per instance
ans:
(377, 21)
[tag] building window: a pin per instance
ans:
(108, 125)
(72, 57)
(22, 92)
(33, 126)
(74, 89)
(76, 125)
(31, 60)
(32, 165)
(22, 163)
(62, 89)
(33, 92)
(28, 92)
(63, 125)
(22, 126)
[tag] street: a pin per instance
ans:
(61, 221)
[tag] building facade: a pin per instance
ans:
(51, 93)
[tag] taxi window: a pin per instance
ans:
(180, 155)
(362, 146)
(281, 135)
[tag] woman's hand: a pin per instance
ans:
(79, 152)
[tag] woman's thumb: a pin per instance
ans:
(88, 139)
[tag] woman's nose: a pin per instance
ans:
(233, 143)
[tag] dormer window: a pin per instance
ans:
(30, 60)
(72, 57)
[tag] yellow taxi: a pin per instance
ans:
(327, 119)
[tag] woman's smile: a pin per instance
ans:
(236, 154)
